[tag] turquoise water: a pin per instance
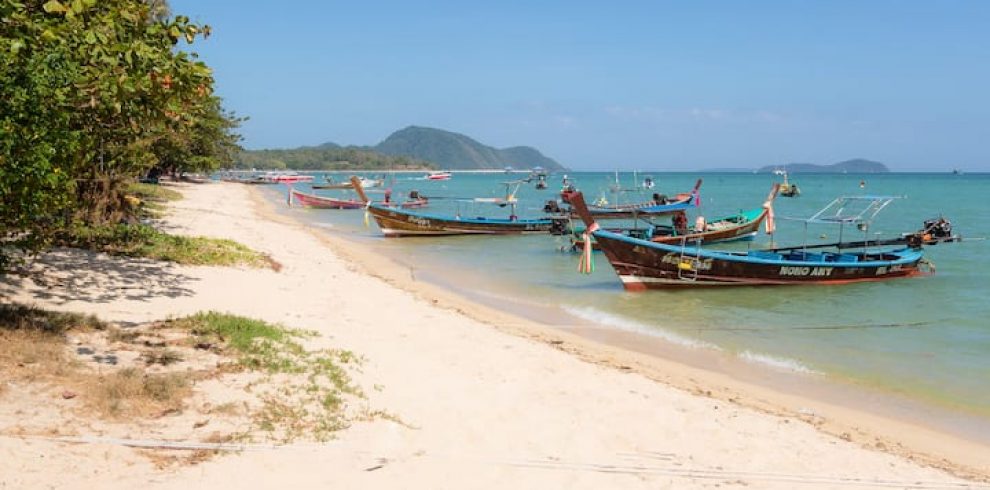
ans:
(927, 338)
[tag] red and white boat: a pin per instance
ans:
(322, 202)
(443, 175)
(290, 178)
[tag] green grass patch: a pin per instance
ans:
(20, 317)
(311, 402)
(151, 199)
(153, 192)
(140, 240)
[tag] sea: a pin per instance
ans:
(925, 339)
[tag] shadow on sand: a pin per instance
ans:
(65, 275)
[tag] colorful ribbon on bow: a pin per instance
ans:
(367, 215)
(769, 225)
(587, 265)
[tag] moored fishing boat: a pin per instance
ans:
(366, 182)
(643, 264)
(322, 202)
(787, 189)
(658, 205)
(397, 222)
(279, 178)
(743, 225)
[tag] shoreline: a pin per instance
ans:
(467, 396)
(881, 432)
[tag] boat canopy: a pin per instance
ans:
(850, 210)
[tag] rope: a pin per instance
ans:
(587, 265)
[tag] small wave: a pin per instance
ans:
(602, 318)
(782, 364)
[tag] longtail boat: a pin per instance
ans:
(367, 183)
(743, 225)
(643, 264)
(322, 202)
(397, 222)
(659, 205)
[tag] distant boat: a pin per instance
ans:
(956, 171)
(442, 175)
(365, 182)
(787, 189)
(279, 178)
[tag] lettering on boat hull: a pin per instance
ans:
(806, 271)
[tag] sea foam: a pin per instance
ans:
(778, 363)
(610, 320)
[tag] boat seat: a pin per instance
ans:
(760, 254)
(846, 258)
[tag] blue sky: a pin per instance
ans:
(617, 85)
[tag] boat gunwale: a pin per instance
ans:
(906, 254)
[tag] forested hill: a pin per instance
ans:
(855, 166)
(456, 151)
(410, 148)
(327, 156)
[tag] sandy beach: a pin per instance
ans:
(480, 398)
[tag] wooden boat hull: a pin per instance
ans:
(396, 223)
(679, 203)
(722, 230)
(367, 184)
(415, 204)
(719, 231)
(644, 265)
(321, 202)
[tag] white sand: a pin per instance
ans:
(484, 408)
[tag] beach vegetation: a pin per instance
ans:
(141, 240)
(96, 95)
(153, 192)
(311, 400)
(327, 157)
(290, 391)
(34, 348)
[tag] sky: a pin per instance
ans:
(616, 85)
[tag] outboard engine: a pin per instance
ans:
(560, 226)
(933, 232)
(938, 228)
(413, 194)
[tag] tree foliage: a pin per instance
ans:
(95, 93)
(327, 158)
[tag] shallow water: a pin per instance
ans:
(926, 338)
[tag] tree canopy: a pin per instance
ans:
(95, 94)
(327, 158)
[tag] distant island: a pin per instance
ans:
(855, 166)
(410, 148)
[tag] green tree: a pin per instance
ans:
(88, 89)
